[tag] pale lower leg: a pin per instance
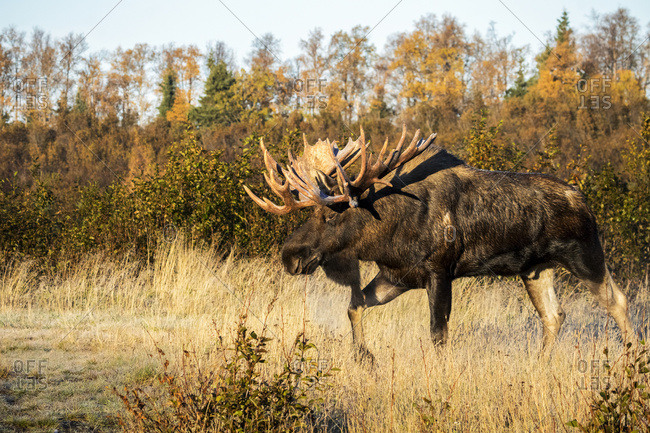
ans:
(539, 285)
(378, 292)
(610, 296)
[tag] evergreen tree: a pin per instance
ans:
(521, 84)
(217, 104)
(378, 106)
(168, 88)
(80, 105)
(558, 65)
(563, 31)
(562, 36)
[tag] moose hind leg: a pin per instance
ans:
(539, 285)
(439, 293)
(610, 296)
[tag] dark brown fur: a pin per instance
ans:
(442, 220)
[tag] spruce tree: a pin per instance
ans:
(563, 30)
(216, 105)
(563, 33)
(521, 84)
(168, 87)
(378, 106)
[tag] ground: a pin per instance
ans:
(67, 341)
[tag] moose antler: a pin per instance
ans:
(319, 154)
(326, 158)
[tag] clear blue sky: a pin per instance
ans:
(200, 21)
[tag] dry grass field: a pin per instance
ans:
(66, 342)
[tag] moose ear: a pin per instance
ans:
(324, 182)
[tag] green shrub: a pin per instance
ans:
(200, 193)
(485, 149)
(621, 203)
(30, 223)
(196, 191)
(234, 397)
(624, 405)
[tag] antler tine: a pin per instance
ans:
(402, 138)
(300, 187)
(311, 192)
(284, 192)
(380, 158)
(349, 148)
(416, 147)
(267, 205)
(308, 182)
(342, 179)
(339, 168)
(424, 144)
(396, 152)
(299, 179)
(269, 162)
(325, 199)
(396, 158)
(369, 175)
(299, 175)
(378, 168)
(281, 189)
(410, 150)
(350, 153)
(364, 160)
(430, 140)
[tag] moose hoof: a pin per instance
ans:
(439, 338)
(363, 356)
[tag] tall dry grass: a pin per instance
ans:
(488, 379)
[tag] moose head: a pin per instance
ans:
(320, 179)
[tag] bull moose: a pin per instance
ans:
(425, 218)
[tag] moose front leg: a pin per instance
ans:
(439, 293)
(378, 292)
(344, 270)
(355, 314)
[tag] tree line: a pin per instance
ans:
(111, 150)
